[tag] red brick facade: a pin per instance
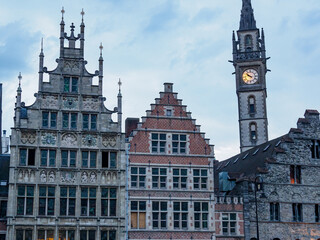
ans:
(170, 174)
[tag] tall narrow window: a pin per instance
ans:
(159, 215)
(45, 234)
(180, 215)
(252, 105)
(253, 132)
(24, 234)
(48, 158)
(25, 200)
(108, 201)
(46, 200)
(200, 178)
(67, 201)
(315, 149)
(179, 142)
(88, 201)
(201, 213)
(295, 174)
(317, 213)
(3, 210)
(274, 212)
(248, 42)
(108, 235)
(297, 212)
(70, 84)
(66, 234)
(87, 235)
(158, 142)
(138, 214)
(180, 178)
(229, 221)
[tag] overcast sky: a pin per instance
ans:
(186, 42)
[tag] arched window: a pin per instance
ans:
(252, 104)
(248, 42)
(253, 131)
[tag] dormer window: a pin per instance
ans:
(169, 112)
(70, 84)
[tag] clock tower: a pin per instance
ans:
(249, 60)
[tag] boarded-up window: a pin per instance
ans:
(138, 214)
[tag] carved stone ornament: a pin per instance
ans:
(43, 177)
(89, 140)
(91, 104)
(71, 66)
(84, 177)
(26, 176)
(93, 177)
(50, 102)
(28, 137)
(52, 177)
(68, 177)
(48, 138)
(69, 139)
(109, 141)
(70, 102)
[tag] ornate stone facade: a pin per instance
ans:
(67, 169)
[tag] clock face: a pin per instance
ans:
(250, 76)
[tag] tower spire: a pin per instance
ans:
(247, 21)
(41, 58)
(62, 33)
(100, 69)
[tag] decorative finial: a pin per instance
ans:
(101, 47)
(72, 27)
(41, 44)
(119, 83)
(62, 12)
(19, 77)
(82, 13)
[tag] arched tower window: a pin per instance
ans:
(253, 131)
(252, 105)
(276, 239)
(248, 42)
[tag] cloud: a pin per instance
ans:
(15, 49)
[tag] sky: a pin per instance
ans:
(186, 42)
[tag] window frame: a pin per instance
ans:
(25, 200)
(88, 201)
(48, 209)
(253, 128)
(180, 215)
(315, 149)
(230, 222)
(69, 158)
(68, 84)
(159, 214)
(66, 234)
(45, 233)
(138, 177)
(179, 144)
(201, 216)
(297, 212)
(274, 211)
(201, 179)
(91, 159)
(87, 234)
(109, 159)
(24, 234)
(108, 234)
(30, 159)
(180, 181)
(158, 143)
(295, 174)
(140, 211)
(108, 198)
(70, 209)
(51, 120)
(252, 105)
(159, 178)
(91, 125)
(68, 123)
(46, 159)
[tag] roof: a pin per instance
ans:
(253, 160)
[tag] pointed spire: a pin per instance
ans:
(101, 48)
(247, 21)
(41, 61)
(82, 14)
(19, 87)
(41, 51)
(119, 83)
(62, 13)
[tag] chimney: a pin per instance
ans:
(168, 87)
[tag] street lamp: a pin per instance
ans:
(258, 185)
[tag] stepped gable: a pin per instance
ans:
(169, 114)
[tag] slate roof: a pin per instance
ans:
(253, 160)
